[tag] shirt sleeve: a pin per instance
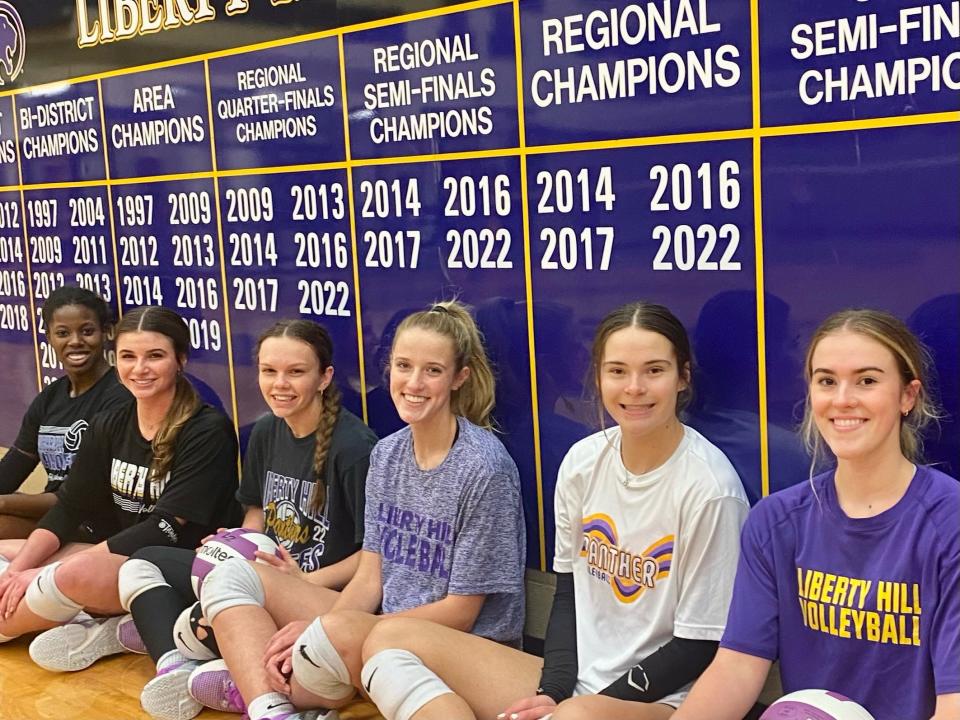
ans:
(17, 467)
(205, 464)
(486, 551)
(753, 623)
(353, 480)
(250, 492)
(945, 626)
(707, 558)
(86, 491)
(30, 427)
(566, 505)
(371, 525)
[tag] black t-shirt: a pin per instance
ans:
(278, 476)
(108, 484)
(55, 424)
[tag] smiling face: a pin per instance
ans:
(291, 381)
(640, 381)
(857, 396)
(423, 375)
(148, 365)
(77, 338)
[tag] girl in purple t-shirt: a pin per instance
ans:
(851, 581)
(443, 538)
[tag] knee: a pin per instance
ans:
(390, 634)
(578, 708)
(232, 583)
(346, 630)
(74, 574)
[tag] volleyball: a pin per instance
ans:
(815, 705)
(235, 543)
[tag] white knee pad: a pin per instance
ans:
(135, 578)
(317, 665)
(186, 639)
(400, 684)
(44, 598)
(232, 583)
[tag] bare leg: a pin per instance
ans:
(89, 580)
(243, 632)
(485, 676)
(589, 707)
(10, 548)
(12, 526)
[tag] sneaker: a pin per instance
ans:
(129, 637)
(166, 697)
(77, 645)
(212, 686)
(305, 715)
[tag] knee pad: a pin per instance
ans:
(135, 578)
(231, 584)
(186, 635)
(45, 599)
(403, 684)
(317, 665)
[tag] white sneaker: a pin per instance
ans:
(77, 645)
(167, 696)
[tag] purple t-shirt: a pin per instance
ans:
(456, 529)
(868, 607)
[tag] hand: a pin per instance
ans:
(531, 708)
(278, 657)
(208, 538)
(13, 586)
(285, 564)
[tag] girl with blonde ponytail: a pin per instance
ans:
(302, 485)
(443, 538)
(158, 470)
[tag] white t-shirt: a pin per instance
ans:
(652, 555)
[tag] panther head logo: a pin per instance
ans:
(13, 43)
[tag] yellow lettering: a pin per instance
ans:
(800, 586)
(915, 636)
(812, 616)
(832, 625)
(803, 611)
(815, 584)
(873, 626)
(827, 594)
(840, 592)
(885, 596)
(858, 618)
(843, 630)
(889, 629)
(865, 586)
(916, 599)
(904, 599)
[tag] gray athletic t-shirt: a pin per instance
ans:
(456, 529)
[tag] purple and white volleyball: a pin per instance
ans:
(234, 543)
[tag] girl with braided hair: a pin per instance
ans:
(160, 469)
(302, 484)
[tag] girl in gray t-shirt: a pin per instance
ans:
(444, 537)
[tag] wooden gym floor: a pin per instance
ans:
(109, 690)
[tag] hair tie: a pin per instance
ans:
(439, 309)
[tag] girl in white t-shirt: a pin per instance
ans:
(648, 515)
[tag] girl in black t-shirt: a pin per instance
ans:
(303, 482)
(77, 323)
(158, 470)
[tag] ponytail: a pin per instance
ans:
(475, 398)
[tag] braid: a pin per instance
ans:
(328, 420)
